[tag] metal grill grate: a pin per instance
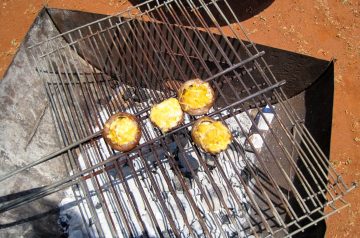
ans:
(272, 181)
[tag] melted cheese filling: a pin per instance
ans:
(122, 131)
(166, 114)
(196, 96)
(213, 136)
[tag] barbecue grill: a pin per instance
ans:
(273, 181)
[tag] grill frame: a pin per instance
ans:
(272, 84)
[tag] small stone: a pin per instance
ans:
(348, 161)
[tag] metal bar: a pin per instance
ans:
(50, 156)
(128, 10)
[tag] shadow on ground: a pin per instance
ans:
(243, 10)
(36, 219)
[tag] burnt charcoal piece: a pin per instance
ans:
(138, 95)
(129, 94)
(191, 165)
(224, 218)
(90, 222)
(245, 175)
(233, 234)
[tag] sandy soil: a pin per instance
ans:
(320, 28)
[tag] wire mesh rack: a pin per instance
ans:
(166, 186)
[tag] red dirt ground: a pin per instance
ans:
(320, 28)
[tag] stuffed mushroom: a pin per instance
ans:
(196, 97)
(167, 115)
(122, 131)
(210, 135)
